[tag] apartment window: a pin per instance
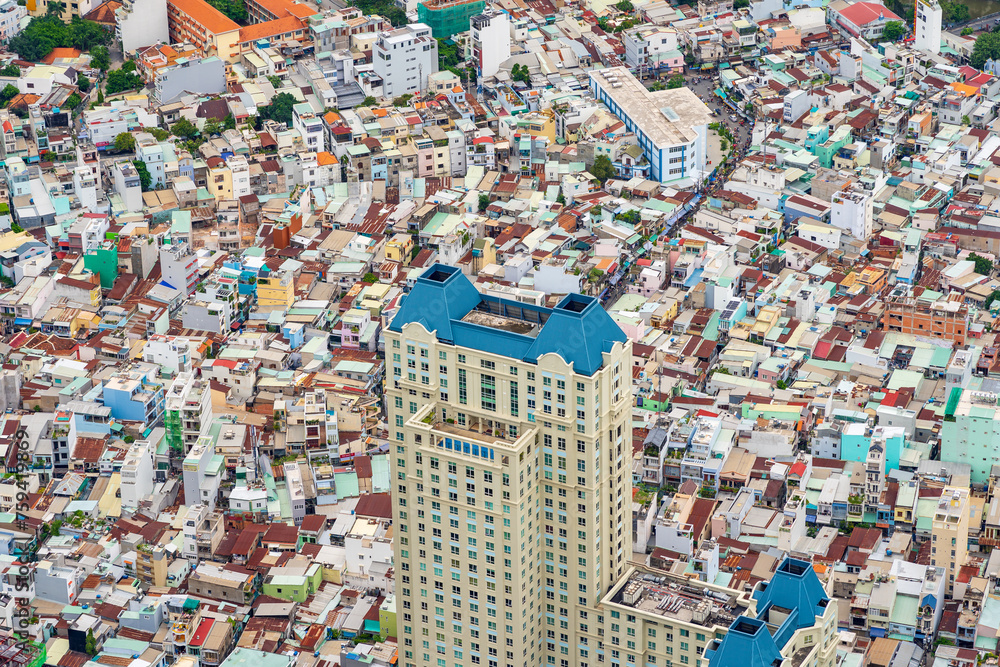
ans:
(463, 396)
(488, 393)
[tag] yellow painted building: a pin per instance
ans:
(276, 290)
(400, 249)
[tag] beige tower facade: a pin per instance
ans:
(950, 533)
(511, 455)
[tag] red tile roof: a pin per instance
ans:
(205, 14)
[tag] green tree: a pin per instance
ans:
(120, 80)
(387, 9)
(280, 108)
(55, 8)
(39, 37)
(987, 47)
(159, 133)
(520, 73)
(234, 9)
(602, 168)
(402, 100)
(11, 70)
(73, 101)
(90, 644)
(229, 123)
(7, 94)
(128, 66)
(484, 201)
(624, 6)
(82, 82)
(212, 127)
(100, 96)
(125, 142)
(630, 217)
(184, 128)
(966, 31)
(657, 85)
(893, 31)
(275, 81)
(369, 278)
(966, 120)
(955, 12)
(676, 81)
(85, 35)
(100, 58)
(145, 180)
(984, 267)
(369, 101)
(740, 4)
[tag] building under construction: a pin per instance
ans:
(448, 17)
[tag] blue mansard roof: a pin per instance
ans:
(445, 302)
(796, 593)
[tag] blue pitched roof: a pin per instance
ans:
(794, 586)
(748, 643)
(577, 329)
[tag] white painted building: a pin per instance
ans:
(194, 75)
(309, 126)
(11, 14)
(128, 185)
(141, 23)
(404, 58)
(670, 125)
(928, 26)
(240, 169)
(137, 473)
(490, 42)
(851, 210)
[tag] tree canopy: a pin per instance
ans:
(125, 142)
(987, 47)
(234, 9)
(48, 32)
(184, 128)
(120, 80)
(100, 58)
(145, 180)
(387, 9)
(602, 168)
(7, 94)
(893, 31)
(280, 108)
(676, 81)
(984, 267)
(520, 73)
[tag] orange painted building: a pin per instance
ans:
(201, 24)
(944, 320)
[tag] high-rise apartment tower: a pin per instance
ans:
(511, 455)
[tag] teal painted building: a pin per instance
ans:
(857, 438)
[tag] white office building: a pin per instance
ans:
(671, 125)
(404, 58)
(490, 42)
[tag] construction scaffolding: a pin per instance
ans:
(448, 17)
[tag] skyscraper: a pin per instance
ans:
(512, 459)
